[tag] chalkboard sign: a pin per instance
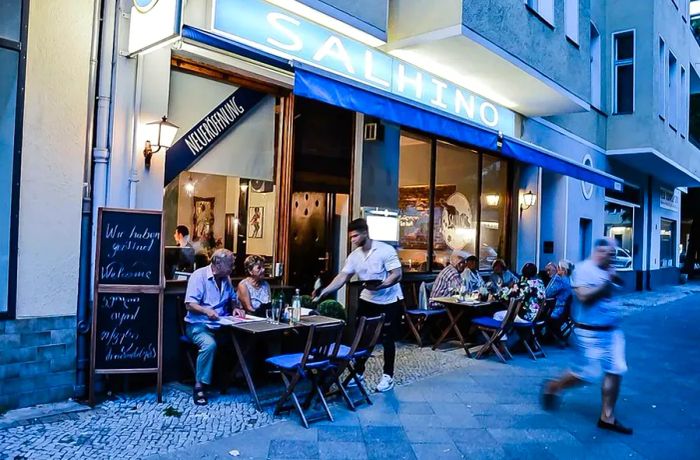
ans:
(129, 247)
(126, 327)
(127, 315)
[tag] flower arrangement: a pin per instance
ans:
(531, 292)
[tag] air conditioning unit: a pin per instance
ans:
(260, 186)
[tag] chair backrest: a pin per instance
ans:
(181, 312)
(367, 335)
(322, 342)
(546, 311)
(511, 312)
(424, 295)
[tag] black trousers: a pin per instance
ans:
(390, 330)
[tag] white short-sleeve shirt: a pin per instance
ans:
(375, 265)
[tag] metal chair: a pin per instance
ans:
(493, 331)
(368, 332)
(321, 349)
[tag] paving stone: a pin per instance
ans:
(385, 434)
(340, 433)
(342, 450)
(293, 449)
(390, 451)
(443, 451)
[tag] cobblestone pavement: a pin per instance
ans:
(136, 426)
(429, 394)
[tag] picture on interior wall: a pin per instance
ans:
(414, 204)
(203, 218)
(256, 216)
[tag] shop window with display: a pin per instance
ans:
(450, 198)
(619, 225)
(667, 253)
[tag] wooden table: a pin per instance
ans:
(257, 328)
(456, 309)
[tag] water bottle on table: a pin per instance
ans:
(296, 307)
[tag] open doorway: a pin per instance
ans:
(323, 146)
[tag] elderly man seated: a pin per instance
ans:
(209, 296)
(450, 278)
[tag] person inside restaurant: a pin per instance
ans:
(182, 236)
(253, 291)
(501, 276)
(471, 276)
(450, 278)
(209, 296)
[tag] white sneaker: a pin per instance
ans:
(386, 383)
(353, 384)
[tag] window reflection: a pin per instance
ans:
(619, 226)
(456, 201)
(414, 202)
(494, 183)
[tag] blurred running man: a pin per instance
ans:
(599, 340)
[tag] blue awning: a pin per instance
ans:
(335, 90)
(222, 43)
(538, 156)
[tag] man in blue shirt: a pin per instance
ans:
(601, 343)
(209, 296)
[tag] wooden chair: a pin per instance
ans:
(322, 344)
(368, 332)
(529, 330)
(188, 347)
(420, 320)
(493, 331)
(562, 326)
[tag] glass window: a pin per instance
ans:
(662, 78)
(619, 221)
(544, 8)
(456, 202)
(571, 19)
(494, 213)
(10, 19)
(469, 207)
(595, 68)
(672, 90)
(624, 73)
(667, 254)
(9, 66)
(414, 202)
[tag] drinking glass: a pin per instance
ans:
(268, 315)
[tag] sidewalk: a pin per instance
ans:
(444, 406)
(491, 410)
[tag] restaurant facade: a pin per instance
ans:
(266, 126)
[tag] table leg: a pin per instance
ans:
(246, 373)
(451, 326)
(457, 331)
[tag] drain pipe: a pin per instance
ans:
(101, 51)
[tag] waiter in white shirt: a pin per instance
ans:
(377, 262)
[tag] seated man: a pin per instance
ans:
(209, 296)
(449, 279)
(471, 276)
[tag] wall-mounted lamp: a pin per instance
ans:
(190, 187)
(529, 199)
(164, 134)
(492, 199)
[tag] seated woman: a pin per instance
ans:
(559, 287)
(531, 290)
(501, 276)
(253, 291)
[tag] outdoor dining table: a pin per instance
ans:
(456, 308)
(256, 328)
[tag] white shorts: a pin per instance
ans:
(598, 352)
